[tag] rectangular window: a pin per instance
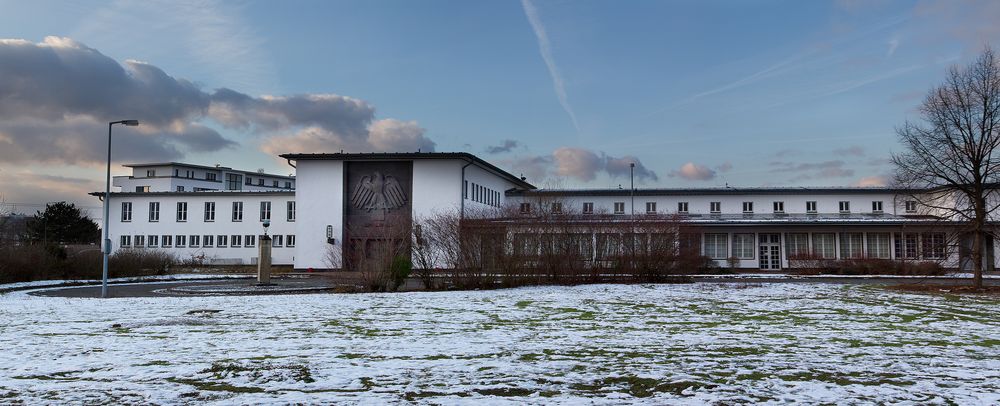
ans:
(142, 189)
(234, 181)
(905, 245)
(650, 207)
(260, 181)
(209, 211)
(288, 185)
(210, 176)
(796, 244)
(588, 208)
(619, 207)
(265, 211)
(153, 241)
(221, 241)
(236, 241)
(180, 188)
(682, 207)
(180, 241)
(290, 211)
(290, 240)
(748, 207)
(208, 241)
(465, 189)
(126, 211)
(140, 241)
(194, 241)
(877, 206)
(825, 245)
(125, 241)
(275, 183)
(249, 181)
(154, 211)
(911, 206)
(168, 241)
(237, 211)
(878, 245)
(845, 206)
(525, 208)
(717, 246)
(851, 245)
(715, 207)
(250, 241)
(779, 207)
(933, 245)
(811, 207)
(276, 240)
(150, 173)
(182, 211)
(743, 246)
(557, 208)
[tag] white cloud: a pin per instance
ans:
(545, 48)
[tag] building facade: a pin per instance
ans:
(342, 202)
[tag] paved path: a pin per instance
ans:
(154, 289)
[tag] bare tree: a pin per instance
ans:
(951, 157)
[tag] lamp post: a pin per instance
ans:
(631, 179)
(107, 207)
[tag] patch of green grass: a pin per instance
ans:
(523, 303)
(153, 363)
(216, 387)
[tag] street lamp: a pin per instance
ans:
(631, 179)
(107, 206)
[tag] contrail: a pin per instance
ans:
(545, 48)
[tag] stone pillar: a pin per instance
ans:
(264, 261)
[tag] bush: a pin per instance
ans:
(399, 271)
(864, 266)
(35, 262)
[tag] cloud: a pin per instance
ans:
(893, 44)
(812, 170)
(724, 167)
(580, 164)
(693, 171)
(545, 48)
(505, 146)
(853, 150)
(872, 181)
(25, 186)
(57, 96)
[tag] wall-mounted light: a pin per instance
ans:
(329, 235)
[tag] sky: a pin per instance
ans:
(567, 93)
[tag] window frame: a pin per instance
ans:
(740, 245)
(126, 212)
(182, 212)
(154, 212)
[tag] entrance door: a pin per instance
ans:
(770, 251)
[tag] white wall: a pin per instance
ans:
(196, 224)
(320, 204)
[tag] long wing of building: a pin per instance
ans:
(344, 205)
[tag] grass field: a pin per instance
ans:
(699, 343)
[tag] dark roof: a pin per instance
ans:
(201, 193)
(213, 168)
(713, 191)
(389, 156)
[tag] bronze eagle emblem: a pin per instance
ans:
(378, 192)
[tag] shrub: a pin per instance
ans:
(399, 271)
(35, 262)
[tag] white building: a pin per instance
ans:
(191, 209)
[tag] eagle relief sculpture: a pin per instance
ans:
(378, 193)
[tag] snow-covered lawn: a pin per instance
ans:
(699, 343)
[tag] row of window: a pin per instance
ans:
(202, 241)
(824, 245)
(209, 212)
(482, 194)
(716, 207)
(231, 178)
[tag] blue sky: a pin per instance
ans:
(700, 93)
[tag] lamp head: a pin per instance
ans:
(130, 123)
(267, 223)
